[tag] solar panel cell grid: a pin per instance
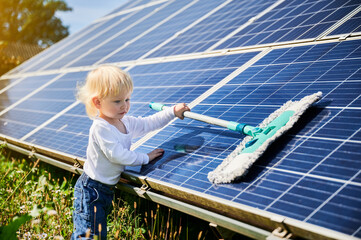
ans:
(154, 15)
(350, 26)
(213, 28)
(65, 129)
(21, 89)
(60, 92)
(309, 193)
(14, 129)
(164, 31)
(33, 118)
(51, 105)
(292, 20)
(197, 72)
(41, 106)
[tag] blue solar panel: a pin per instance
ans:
(292, 20)
(60, 132)
(213, 28)
(312, 154)
(350, 26)
(22, 88)
(163, 32)
(311, 174)
(120, 41)
(39, 107)
(14, 129)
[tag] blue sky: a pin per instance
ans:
(86, 11)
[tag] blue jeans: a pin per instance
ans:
(92, 205)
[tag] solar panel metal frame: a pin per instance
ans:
(240, 212)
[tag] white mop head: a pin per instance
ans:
(237, 164)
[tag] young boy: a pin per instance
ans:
(106, 95)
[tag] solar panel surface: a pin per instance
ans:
(312, 153)
(218, 25)
(311, 174)
(193, 10)
(292, 20)
(352, 25)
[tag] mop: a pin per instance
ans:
(257, 139)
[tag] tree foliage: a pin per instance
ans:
(32, 21)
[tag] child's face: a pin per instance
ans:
(114, 107)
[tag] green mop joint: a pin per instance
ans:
(235, 126)
(257, 139)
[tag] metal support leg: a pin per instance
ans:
(215, 231)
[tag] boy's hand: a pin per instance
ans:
(155, 153)
(179, 109)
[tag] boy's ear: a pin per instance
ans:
(96, 102)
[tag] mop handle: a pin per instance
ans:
(234, 126)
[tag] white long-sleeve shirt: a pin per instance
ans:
(108, 149)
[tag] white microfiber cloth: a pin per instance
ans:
(237, 164)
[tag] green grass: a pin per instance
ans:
(39, 197)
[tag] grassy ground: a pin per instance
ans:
(38, 198)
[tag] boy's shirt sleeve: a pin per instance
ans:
(116, 151)
(142, 125)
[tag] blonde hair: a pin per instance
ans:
(104, 81)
